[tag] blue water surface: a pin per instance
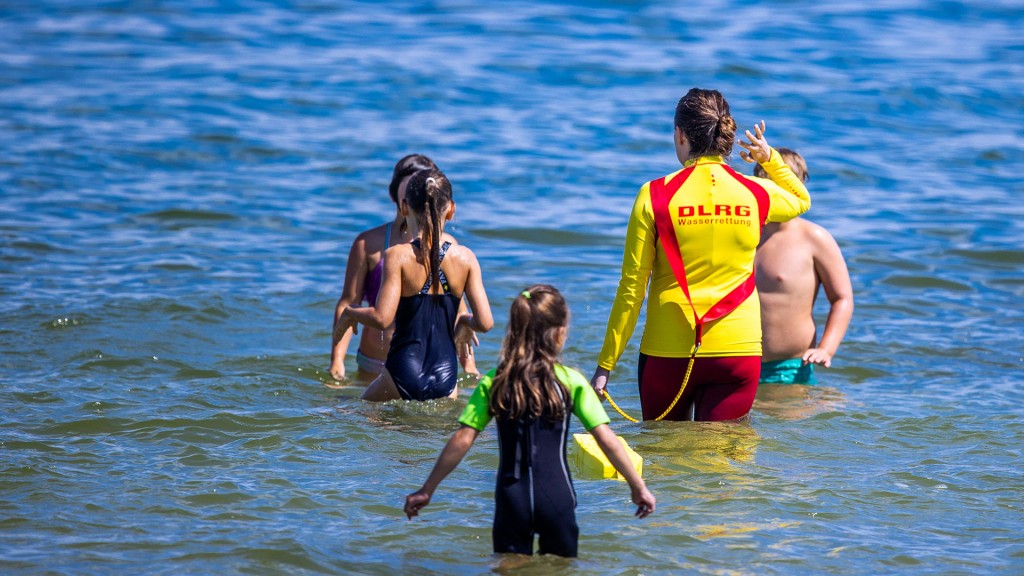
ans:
(180, 182)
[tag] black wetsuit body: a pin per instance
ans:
(422, 360)
(534, 492)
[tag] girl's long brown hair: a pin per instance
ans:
(525, 384)
(429, 194)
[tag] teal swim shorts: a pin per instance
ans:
(790, 371)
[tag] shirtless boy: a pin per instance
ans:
(793, 260)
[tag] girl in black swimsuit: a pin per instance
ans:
(420, 292)
(422, 359)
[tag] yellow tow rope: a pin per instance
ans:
(682, 388)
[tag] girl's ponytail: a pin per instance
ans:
(429, 194)
(433, 230)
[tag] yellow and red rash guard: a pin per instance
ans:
(714, 215)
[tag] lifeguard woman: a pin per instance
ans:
(693, 235)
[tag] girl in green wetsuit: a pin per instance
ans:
(531, 395)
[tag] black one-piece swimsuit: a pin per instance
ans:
(422, 359)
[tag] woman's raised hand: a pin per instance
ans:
(758, 149)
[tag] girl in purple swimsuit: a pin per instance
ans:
(363, 278)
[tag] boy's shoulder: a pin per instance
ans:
(815, 232)
(804, 229)
(809, 227)
(813, 238)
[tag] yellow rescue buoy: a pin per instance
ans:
(591, 463)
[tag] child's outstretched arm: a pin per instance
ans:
(612, 448)
(453, 453)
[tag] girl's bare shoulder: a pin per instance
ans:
(456, 251)
(461, 253)
(372, 240)
(401, 252)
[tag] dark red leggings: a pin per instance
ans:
(719, 388)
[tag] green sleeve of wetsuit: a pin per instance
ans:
(585, 403)
(477, 415)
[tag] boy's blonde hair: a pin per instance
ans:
(792, 159)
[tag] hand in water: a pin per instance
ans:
(818, 356)
(644, 501)
(416, 501)
(338, 372)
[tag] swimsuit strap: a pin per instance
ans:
(387, 236)
(440, 273)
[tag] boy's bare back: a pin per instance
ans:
(794, 259)
(787, 283)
